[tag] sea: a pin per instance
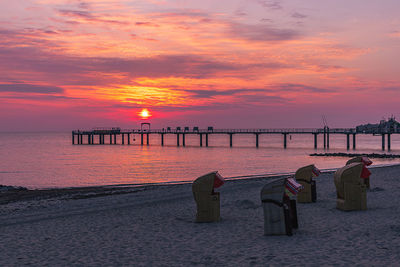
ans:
(49, 160)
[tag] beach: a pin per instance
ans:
(155, 226)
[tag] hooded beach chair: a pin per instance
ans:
(207, 201)
(304, 176)
(350, 189)
(280, 214)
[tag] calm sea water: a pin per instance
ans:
(47, 160)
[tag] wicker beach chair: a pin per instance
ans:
(350, 189)
(279, 213)
(304, 176)
(207, 201)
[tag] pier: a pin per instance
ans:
(99, 135)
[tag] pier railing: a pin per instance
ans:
(216, 131)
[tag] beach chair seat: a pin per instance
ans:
(304, 176)
(207, 200)
(350, 189)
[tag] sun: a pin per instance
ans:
(145, 114)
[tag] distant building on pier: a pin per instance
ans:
(389, 126)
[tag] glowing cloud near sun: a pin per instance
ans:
(144, 114)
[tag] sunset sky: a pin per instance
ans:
(68, 64)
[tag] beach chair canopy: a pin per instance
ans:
(208, 182)
(366, 161)
(350, 173)
(307, 172)
(274, 190)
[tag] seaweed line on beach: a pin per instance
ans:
(341, 154)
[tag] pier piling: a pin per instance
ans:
(257, 139)
(327, 137)
(284, 140)
(177, 139)
(147, 139)
(388, 142)
(201, 139)
(315, 140)
(354, 141)
(348, 141)
(206, 140)
(230, 139)
(183, 140)
(383, 142)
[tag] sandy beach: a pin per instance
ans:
(154, 226)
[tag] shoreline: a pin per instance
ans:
(64, 193)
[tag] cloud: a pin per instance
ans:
(42, 97)
(293, 87)
(262, 32)
(275, 5)
(146, 23)
(394, 34)
(263, 100)
(30, 88)
(298, 15)
(206, 93)
(34, 60)
(88, 16)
